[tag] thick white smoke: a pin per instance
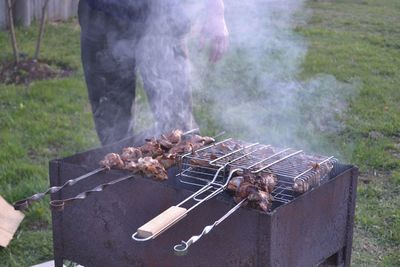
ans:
(255, 92)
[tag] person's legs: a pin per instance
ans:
(164, 66)
(109, 67)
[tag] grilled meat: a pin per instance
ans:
(112, 160)
(256, 198)
(245, 189)
(156, 155)
(235, 183)
(167, 162)
(151, 167)
(200, 162)
(165, 143)
(205, 140)
(131, 154)
(260, 199)
(263, 180)
(131, 166)
(174, 137)
(181, 148)
(151, 148)
(256, 188)
(267, 181)
(301, 186)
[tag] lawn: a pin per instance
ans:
(353, 40)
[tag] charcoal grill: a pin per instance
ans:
(300, 230)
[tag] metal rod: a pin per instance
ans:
(265, 159)
(59, 205)
(277, 161)
(191, 131)
(181, 249)
(23, 204)
(310, 169)
(206, 147)
(233, 152)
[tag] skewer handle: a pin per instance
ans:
(23, 204)
(182, 249)
(160, 223)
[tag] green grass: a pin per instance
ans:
(361, 39)
(352, 40)
(47, 120)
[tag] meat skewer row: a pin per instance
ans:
(156, 155)
(112, 160)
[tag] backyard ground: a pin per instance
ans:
(352, 39)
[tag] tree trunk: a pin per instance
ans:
(41, 29)
(12, 31)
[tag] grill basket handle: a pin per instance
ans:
(160, 223)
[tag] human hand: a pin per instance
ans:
(214, 32)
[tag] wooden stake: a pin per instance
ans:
(41, 29)
(12, 31)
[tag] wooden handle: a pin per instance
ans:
(163, 221)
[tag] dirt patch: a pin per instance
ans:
(29, 70)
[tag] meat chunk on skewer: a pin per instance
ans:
(152, 148)
(166, 162)
(181, 148)
(267, 181)
(235, 183)
(256, 197)
(256, 188)
(131, 154)
(156, 155)
(305, 183)
(112, 160)
(205, 140)
(301, 186)
(132, 166)
(174, 137)
(263, 180)
(151, 167)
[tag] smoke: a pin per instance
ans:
(255, 93)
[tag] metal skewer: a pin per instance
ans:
(59, 205)
(23, 204)
(182, 249)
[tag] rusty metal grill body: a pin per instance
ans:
(310, 229)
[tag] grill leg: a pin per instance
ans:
(350, 220)
(55, 180)
(336, 259)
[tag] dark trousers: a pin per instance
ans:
(112, 49)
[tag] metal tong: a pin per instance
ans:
(174, 214)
